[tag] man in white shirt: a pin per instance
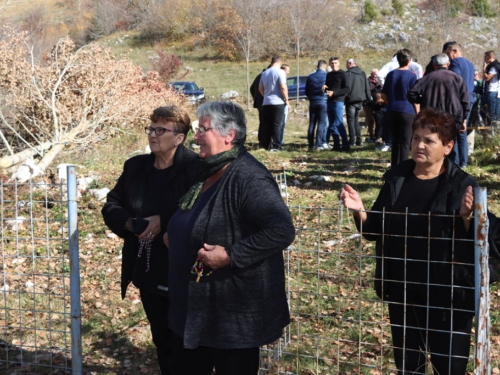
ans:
(275, 92)
(490, 99)
(393, 65)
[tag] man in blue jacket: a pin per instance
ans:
(317, 107)
(465, 69)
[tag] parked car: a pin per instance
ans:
(292, 87)
(194, 94)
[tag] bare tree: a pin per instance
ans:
(77, 97)
(249, 12)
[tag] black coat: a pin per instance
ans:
(446, 202)
(360, 89)
(131, 198)
(442, 89)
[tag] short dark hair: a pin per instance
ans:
(490, 53)
(321, 63)
(275, 59)
(332, 59)
(437, 121)
(447, 44)
(175, 114)
(404, 57)
(283, 66)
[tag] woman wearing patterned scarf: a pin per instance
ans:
(226, 242)
(139, 208)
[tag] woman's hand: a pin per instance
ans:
(466, 206)
(351, 199)
(214, 256)
(152, 229)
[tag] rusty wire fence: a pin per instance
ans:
(39, 278)
(339, 324)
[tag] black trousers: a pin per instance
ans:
(156, 308)
(273, 119)
(352, 114)
(400, 126)
(202, 360)
(429, 332)
(261, 125)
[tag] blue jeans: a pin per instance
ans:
(460, 153)
(285, 116)
(492, 104)
(317, 115)
(336, 126)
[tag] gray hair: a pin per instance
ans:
(225, 116)
(351, 61)
(441, 60)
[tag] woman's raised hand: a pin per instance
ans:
(351, 199)
(466, 209)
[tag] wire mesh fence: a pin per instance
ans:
(339, 323)
(35, 303)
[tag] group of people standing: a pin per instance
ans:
(270, 94)
(392, 96)
(203, 241)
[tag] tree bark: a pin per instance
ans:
(9, 161)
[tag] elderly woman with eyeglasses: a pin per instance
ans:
(139, 208)
(226, 242)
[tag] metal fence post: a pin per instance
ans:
(76, 337)
(482, 283)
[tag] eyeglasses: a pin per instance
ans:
(159, 131)
(202, 130)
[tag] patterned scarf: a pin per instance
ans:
(207, 168)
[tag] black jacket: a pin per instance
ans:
(442, 89)
(258, 99)
(130, 198)
(447, 202)
(360, 89)
(338, 82)
(243, 305)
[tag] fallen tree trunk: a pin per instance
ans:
(53, 152)
(9, 161)
(56, 149)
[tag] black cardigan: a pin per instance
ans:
(243, 305)
(130, 198)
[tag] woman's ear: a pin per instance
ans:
(230, 137)
(179, 139)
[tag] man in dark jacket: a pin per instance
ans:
(443, 89)
(258, 99)
(317, 107)
(465, 69)
(336, 87)
(359, 93)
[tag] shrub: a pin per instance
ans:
(481, 8)
(370, 12)
(167, 65)
(385, 12)
(398, 7)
